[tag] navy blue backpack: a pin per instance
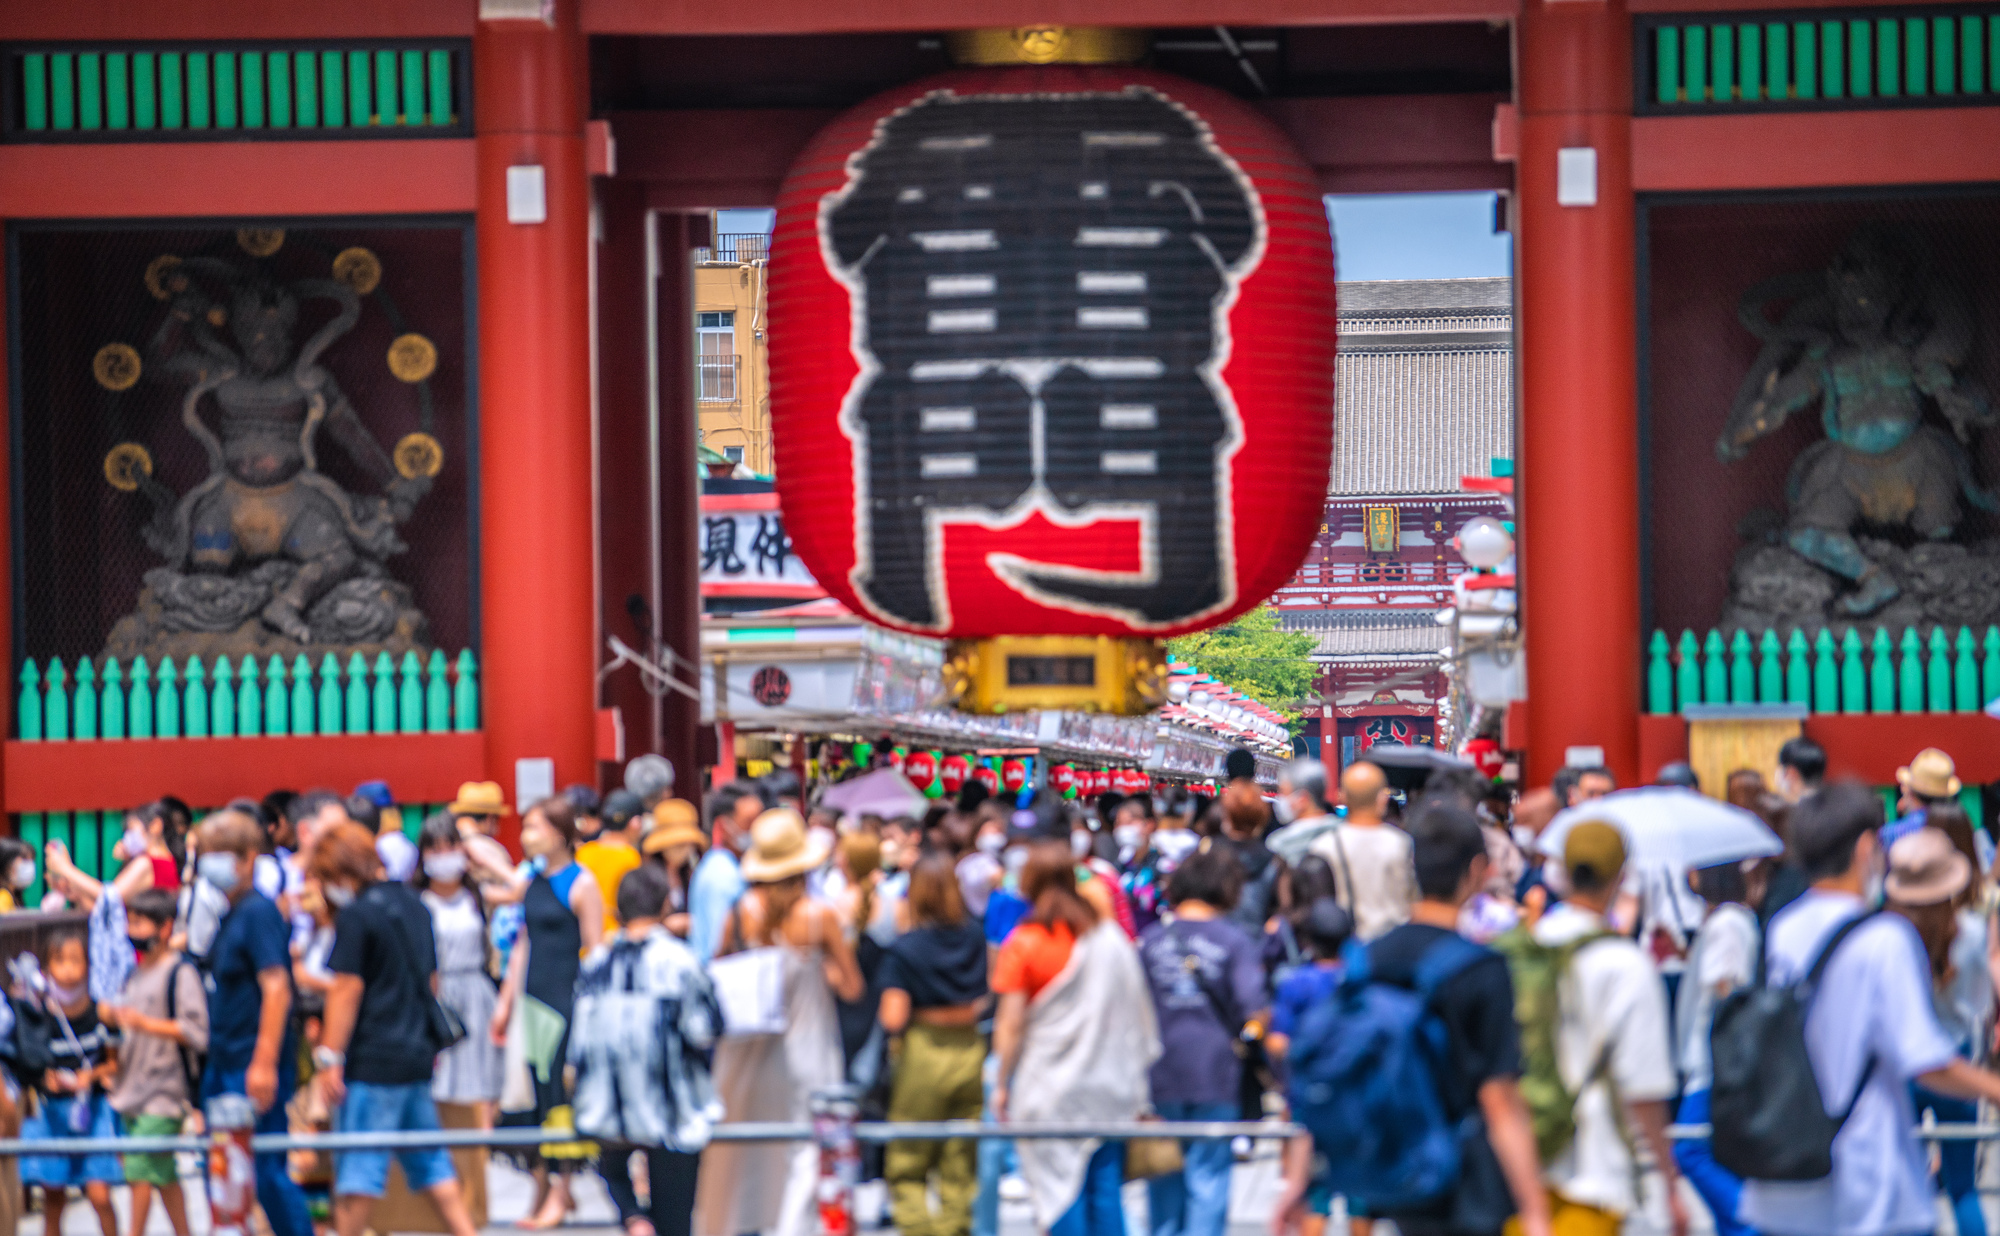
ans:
(1365, 1066)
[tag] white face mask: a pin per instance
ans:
(1079, 843)
(1283, 807)
(339, 896)
(448, 866)
(23, 873)
(991, 843)
(1127, 836)
(135, 843)
(219, 870)
(1016, 859)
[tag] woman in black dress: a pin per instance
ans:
(564, 917)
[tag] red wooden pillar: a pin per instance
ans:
(627, 480)
(680, 490)
(537, 578)
(1579, 475)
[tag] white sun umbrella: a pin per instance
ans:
(1671, 827)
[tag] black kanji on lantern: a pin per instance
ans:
(1042, 282)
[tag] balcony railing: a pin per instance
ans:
(736, 247)
(1374, 574)
(715, 378)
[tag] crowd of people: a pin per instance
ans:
(1477, 1035)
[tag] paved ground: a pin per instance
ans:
(1253, 1191)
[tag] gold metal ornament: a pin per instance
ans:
(260, 241)
(116, 366)
(359, 269)
(412, 357)
(418, 454)
(161, 278)
(125, 463)
(1082, 673)
(1046, 45)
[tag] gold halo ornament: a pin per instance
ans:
(359, 269)
(412, 358)
(260, 241)
(116, 367)
(418, 454)
(125, 463)
(161, 278)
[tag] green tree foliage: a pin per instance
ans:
(1253, 656)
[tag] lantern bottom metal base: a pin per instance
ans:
(1076, 673)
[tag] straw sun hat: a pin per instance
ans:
(1925, 868)
(780, 848)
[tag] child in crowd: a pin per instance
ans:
(1322, 931)
(163, 1017)
(67, 1057)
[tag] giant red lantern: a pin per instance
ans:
(953, 773)
(1051, 353)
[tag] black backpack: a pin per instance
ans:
(1770, 1121)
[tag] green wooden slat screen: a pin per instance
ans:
(198, 93)
(1940, 669)
(1778, 61)
(104, 699)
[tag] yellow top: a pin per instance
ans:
(608, 862)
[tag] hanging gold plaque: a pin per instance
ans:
(1046, 45)
(260, 241)
(359, 269)
(162, 280)
(418, 454)
(116, 366)
(125, 463)
(412, 357)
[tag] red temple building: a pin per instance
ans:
(1426, 399)
(458, 236)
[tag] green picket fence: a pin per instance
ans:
(90, 835)
(1940, 671)
(256, 90)
(103, 699)
(1851, 58)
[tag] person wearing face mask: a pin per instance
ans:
(1301, 810)
(252, 1049)
(152, 850)
(562, 917)
(376, 1050)
(162, 1016)
(17, 873)
(979, 869)
(718, 877)
(468, 1073)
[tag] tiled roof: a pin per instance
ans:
(1425, 384)
(1371, 632)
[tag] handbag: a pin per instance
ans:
(750, 988)
(443, 1028)
(1147, 1157)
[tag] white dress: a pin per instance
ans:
(470, 1072)
(769, 1186)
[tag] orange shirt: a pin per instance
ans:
(1031, 958)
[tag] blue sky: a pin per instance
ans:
(1375, 236)
(1417, 236)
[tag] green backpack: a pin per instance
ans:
(1537, 970)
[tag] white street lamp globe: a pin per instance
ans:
(1485, 542)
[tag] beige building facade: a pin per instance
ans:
(732, 326)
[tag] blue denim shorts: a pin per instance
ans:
(370, 1108)
(53, 1119)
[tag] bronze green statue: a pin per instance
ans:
(266, 544)
(1875, 341)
